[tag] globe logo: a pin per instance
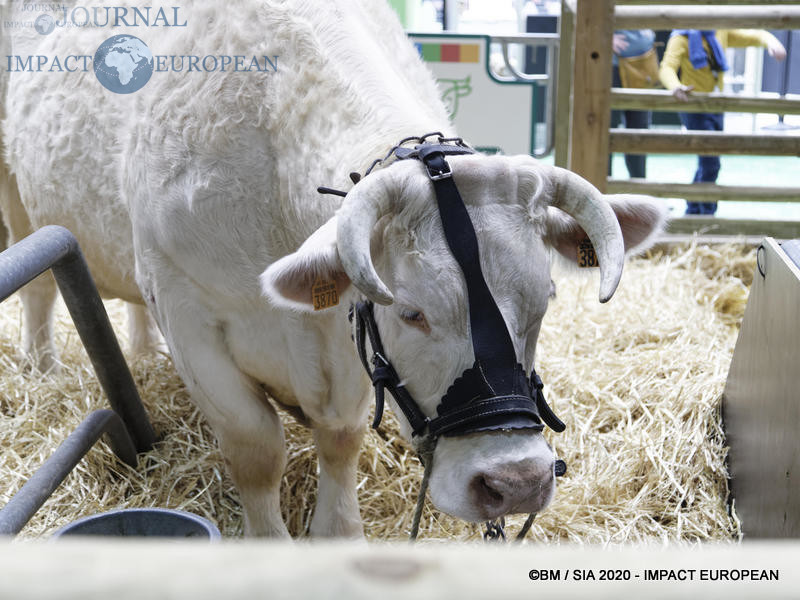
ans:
(44, 24)
(123, 64)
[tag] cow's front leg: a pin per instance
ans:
(336, 513)
(249, 430)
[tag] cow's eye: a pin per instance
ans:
(415, 318)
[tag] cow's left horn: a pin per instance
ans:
(364, 205)
(585, 203)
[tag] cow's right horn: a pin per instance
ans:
(367, 202)
(585, 203)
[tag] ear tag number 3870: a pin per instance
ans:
(586, 255)
(324, 293)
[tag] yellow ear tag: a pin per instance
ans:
(586, 256)
(324, 293)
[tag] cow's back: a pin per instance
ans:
(218, 170)
(239, 156)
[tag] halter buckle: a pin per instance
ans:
(440, 175)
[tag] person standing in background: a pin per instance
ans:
(700, 57)
(631, 44)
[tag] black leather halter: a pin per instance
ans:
(495, 393)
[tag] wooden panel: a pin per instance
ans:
(703, 191)
(638, 141)
(707, 17)
(694, 2)
(564, 92)
(662, 100)
(591, 115)
(784, 230)
(762, 402)
(248, 570)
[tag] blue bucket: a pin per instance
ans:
(143, 522)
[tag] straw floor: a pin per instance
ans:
(638, 382)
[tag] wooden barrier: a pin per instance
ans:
(632, 99)
(694, 2)
(704, 192)
(640, 141)
(583, 100)
(563, 116)
(591, 109)
(131, 570)
(707, 17)
(760, 399)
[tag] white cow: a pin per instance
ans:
(197, 195)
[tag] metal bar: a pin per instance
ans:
(707, 17)
(550, 115)
(642, 141)
(662, 100)
(24, 504)
(548, 40)
(703, 191)
(56, 248)
(551, 40)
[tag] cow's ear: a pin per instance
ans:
(641, 219)
(310, 279)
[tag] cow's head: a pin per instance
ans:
(387, 241)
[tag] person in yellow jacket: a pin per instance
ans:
(699, 57)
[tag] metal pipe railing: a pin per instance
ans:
(128, 426)
(24, 504)
(54, 247)
(551, 41)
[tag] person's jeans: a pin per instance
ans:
(707, 166)
(633, 119)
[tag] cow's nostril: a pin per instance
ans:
(487, 496)
(490, 491)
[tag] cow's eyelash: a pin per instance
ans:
(411, 315)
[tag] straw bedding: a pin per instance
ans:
(638, 382)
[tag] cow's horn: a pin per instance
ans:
(364, 205)
(585, 203)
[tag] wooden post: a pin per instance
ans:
(564, 93)
(594, 28)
